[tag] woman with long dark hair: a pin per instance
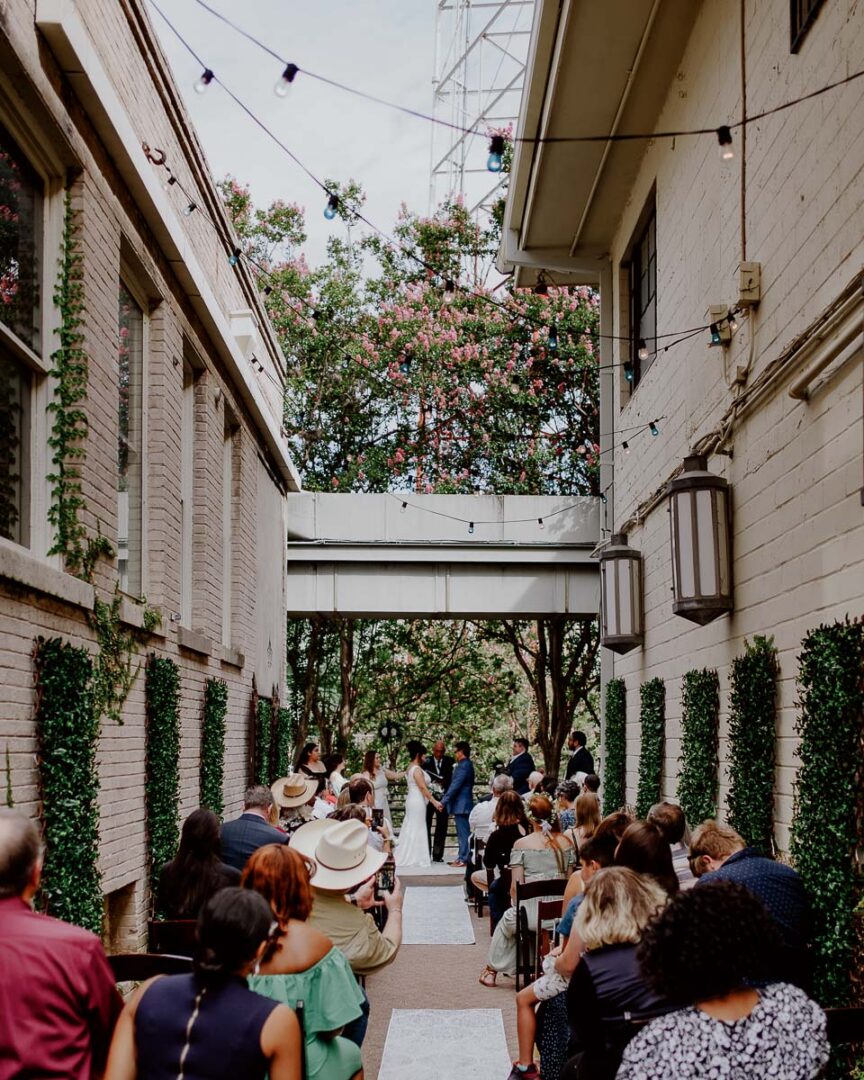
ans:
(378, 774)
(310, 764)
(209, 1025)
(644, 848)
(196, 872)
(413, 846)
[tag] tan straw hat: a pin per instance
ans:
(340, 851)
(293, 790)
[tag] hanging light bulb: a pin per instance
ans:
(629, 372)
(470, 526)
(403, 507)
(495, 161)
(285, 79)
(331, 207)
(203, 81)
(643, 349)
(449, 290)
(716, 336)
(733, 322)
(603, 498)
(553, 337)
(268, 289)
(234, 257)
(625, 446)
(540, 523)
(169, 183)
(652, 427)
(189, 209)
(724, 138)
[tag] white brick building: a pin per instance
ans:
(192, 490)
(780, 410)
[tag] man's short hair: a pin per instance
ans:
(359, 789)
(579, 736)
(464, 748)
(501, 783)
(669, 819)
(715, 840)
(599, 849)
(518, 741)
(257, 797)
(591, 783)
(20, 849)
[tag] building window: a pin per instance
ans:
(21, 198)
(802, 15)
(130, 361)
(187, 493)
(14, 441)
(228, 476)
(643, 297)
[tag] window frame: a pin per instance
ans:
(647, 220)
(230, 479)
(799, 27)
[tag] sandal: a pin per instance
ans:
(485, 980)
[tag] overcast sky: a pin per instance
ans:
(385, 47)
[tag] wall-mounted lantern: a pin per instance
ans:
(620, 596)
(701, 542)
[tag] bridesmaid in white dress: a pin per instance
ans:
(413, 846)
(378, 776)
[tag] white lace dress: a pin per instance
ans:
(413, 846)
(380, 788)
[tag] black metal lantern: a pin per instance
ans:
(699, 513)
(621, 626)
(389, 732)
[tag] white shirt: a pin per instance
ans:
(480, 818)
(338, 780)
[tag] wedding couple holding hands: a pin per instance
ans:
(443, 786)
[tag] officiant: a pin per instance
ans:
(439, 768)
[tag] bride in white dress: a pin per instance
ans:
(413, 846)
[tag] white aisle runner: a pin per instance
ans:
(436, 915)
(426, 1044)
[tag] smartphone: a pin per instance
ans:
(377, 817)
(385, 879)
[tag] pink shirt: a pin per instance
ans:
(58, 1001)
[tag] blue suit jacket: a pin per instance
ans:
(519, 770)
(246, 834)
(460, 795)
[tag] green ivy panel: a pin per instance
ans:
(615, 747)
(700, 719)
(652, 716)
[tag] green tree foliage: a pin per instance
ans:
(68, 733)
(615, 747)
(162, 781)
(826, 829)
(652, 717)
(700, 720)
(263, 741)
(213, 744)
(752, 733)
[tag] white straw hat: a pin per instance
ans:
(340, 851)
(293, 790)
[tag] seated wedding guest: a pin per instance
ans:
(615, 823)
(596, 853)
(544, 853)
(310, 764)
(587, 808)
(379, 838)
(481, 818)
(304, 965)
(548, 786)
(591, 783)
(535, 779)
(210, 1024)
(643, 848)
(510, 824)
(617, 906)
(360, 791)
(567, 793)
(669, 819)
(334, 766)
(197, 871)
(713, 949)
(58, 1001)
(252, 829)
(343, 862)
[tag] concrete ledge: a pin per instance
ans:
(25, 569)
(233, 656)
(194, 641)
(132, 614)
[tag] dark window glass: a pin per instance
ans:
(802, 15)
(643, 297)
(14, 390)
(130, 358)
(20, 230)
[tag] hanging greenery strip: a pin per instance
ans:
(653, 722)
(615, 747)
(752, 733)
(283, 744)
(263, 736)
(826, 828)
(68, 731)
(700, 719)
(162, 782)
(213, 744)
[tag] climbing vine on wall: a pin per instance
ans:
(162, 782)
(67, 732)
(752, 732)
(615, 747)
(283, 743)
(652, 716)
(827, 825)
(700, 719)
(213, 744)
(263, 737)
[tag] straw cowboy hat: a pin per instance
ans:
(340, 851)
(293, 790)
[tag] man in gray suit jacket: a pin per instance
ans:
(251, 830)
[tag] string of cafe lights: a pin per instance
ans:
(495, 159)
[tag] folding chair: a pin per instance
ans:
(300, 1013)
(136, 967)
(534, 890)
(478, 846)
(548, 914)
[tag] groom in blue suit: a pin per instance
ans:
(459, 800)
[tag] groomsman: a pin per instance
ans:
(520, 766)
(581, 760)
(460, 799)
(439, 766)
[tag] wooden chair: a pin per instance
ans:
(175, 936)
(548, 911)
(479, 846)
(136, 967)
(506, 878)
(300, 1013)
(534, 890)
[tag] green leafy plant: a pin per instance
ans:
(162, 780)
(752, 736)
(68, 731)
(263, 737)
(615, 744)
(700, 719)
(826, 827)
(213, 744)
(652, 717)
(283, 743)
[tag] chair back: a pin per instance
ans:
(548, 911)
(545, 887)
(136, 967)
(532, 890)
(175, 936)
(300, 1013)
